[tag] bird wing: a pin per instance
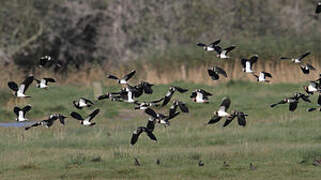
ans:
(218, 49)
(214, 119)
(167, 97)
(183, 107)
(293, 106)
(213, 74)
(13, 86)
(87, 101)
(229, 120)
(76, 116)
(181, 90)
(27, 108)
(225, 104)
(220, 71)
(25, 84)
(150, 135)
(201, 44)
(266, 74)
(150, 125)
(135, 136)
(227, 50)
(50, 80)
(304, 55)
(318, 8)
(151, 112)
(147, 87)
(16, 110)
(254, 59)
(310, 67)
(205, 93)
(110, 76)
(212, 45)
(129, 75)
(157, 101)
(305, 70)
(93, 114)
(194, 94)
(243, 62)
(241, 119)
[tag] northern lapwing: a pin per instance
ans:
(21, 113)
(306, 68)
(241, 118)
(221, 113)
(223, 53)
(19, 91)
(124, 79)
(318, 8)
(209, 47)
(215, 71)
(297, 60)
(48, 122)
(312, 87)
(139, 131)
(144, 105)
(262, 77)
(200, 96)
(161, 118)
(111, 96)
(293, 101)
(82, 102)
(87, 121)
(43, 83)
(48, 61)
(247, 64)
(170, 93)
(182, 106)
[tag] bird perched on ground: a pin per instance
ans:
(298, 59)
(221, 113)
(82, 102)
(19, 91)
(252, 167)
(87, 121)
(144, 105)
(209, 47)
(21, 113)
(200, 163)
(48, 122)
(222, 53)
(124, 79)
(43, 83)
(200, 96)
(247, 64)
(241, 118)
(170, 93)
(136, 162)
(262, 77)
(293, 101)
(306, 68)
(215, 71)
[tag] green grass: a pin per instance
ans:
(283, 145)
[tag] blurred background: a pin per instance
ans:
(155, 34)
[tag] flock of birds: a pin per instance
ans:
(128, 93)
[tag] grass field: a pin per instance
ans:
(281, 144)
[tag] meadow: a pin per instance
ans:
(280, 144)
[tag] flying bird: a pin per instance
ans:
(87, 121)
(223, 53)
(293, 101)
(144, 105)
(318, 104)
(297, 60)
(139, 131)
(43, 83)
(182, 106)
(209, 47)
(318, 8)
(21, 113)
(215, 71)
(170, 93)
(82, 102)
(200, 96)
(306, 68)
(124, 79)
(48, 122)
(19, 91)
(262, 77)
(221, 113)
(48, 61)
(312, 87)
(161, 118)
(247, 64)
(241, 118)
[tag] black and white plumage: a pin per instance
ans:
(146, 87)
(139, 131)
(209, 47)
(43, 83)
(200, 96)
(293, 101)
(88, 120)
(21, 113)
(318, 105)
(262, 77)
(48, 61)
(221, 113)
(82, 102)
(318, 8)
(247, 64)
(161, 118)
(124, 79)
(312, 87)
(144, 105)
(241, 118)
(306, 68)
(48, 122)
(110, 96)
(215, 71)
(297, 60)
(223, 53)
(170, 93)
(19, 91)
(182, 106)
